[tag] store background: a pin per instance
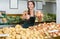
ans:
(49, 7)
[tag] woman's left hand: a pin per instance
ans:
(39, 15)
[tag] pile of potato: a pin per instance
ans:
(18, 32)
(50, 29)
(40, 31)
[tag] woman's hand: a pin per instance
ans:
(39, 15)
(25, 15)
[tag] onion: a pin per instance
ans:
(58, 33)
(54, 35)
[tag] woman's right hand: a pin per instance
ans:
(25, 15)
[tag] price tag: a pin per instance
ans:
(4, 35)
(53, 31)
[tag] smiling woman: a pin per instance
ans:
(30, 15)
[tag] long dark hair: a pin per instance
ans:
(28, 5)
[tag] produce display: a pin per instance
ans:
(49, 17)
(17, 19)
(50, 29)
(14, 19)
(41, 31)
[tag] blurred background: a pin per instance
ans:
(12, 10)
(48, 6)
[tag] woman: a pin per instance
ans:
(30, 15)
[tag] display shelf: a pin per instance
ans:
(1, 17)
(23, 22)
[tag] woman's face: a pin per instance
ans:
(31, 6)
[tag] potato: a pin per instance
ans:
(4, 20)
(34, 38)
(13, 33)
(18, 36)
(54, 35)
(8, 38)
(58, 33)
(18, 26)
(1, 31)
(24, 37)
(12, 29)
(6, 30)
(34, 32)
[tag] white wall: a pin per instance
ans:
(4, 6)
(22, 5)
(58, 12)
(54, 7)
(49, 7)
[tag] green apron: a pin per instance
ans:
(29, 22)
